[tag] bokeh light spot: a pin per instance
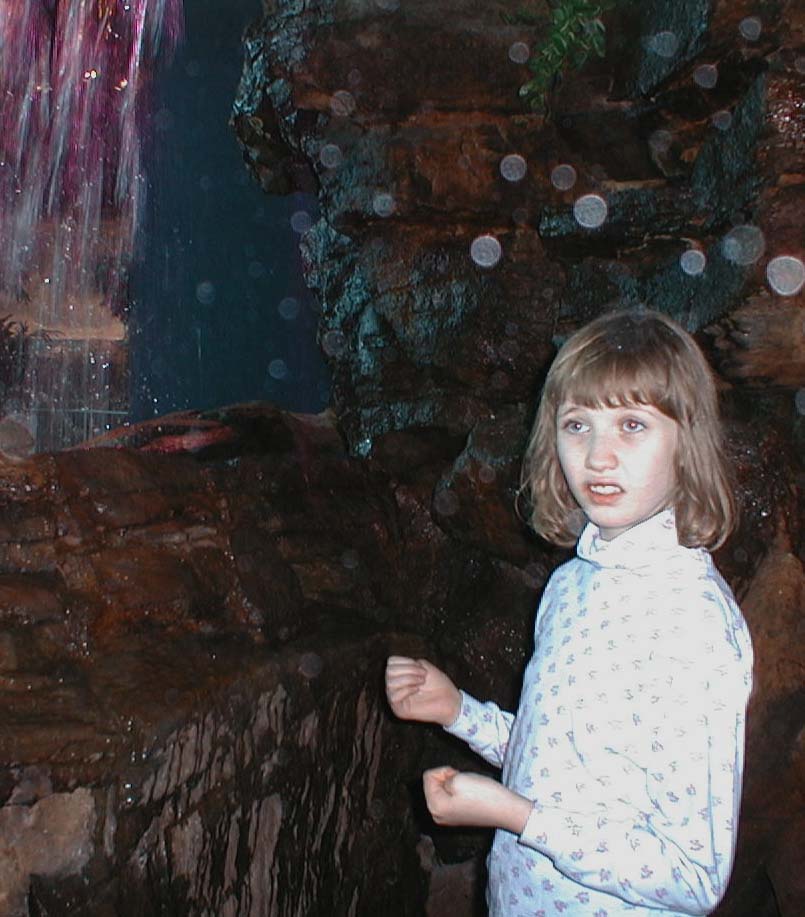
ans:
(485, 251)
(342, 103)
(334, 343)
(513, 167)
(590, 211)
(310, 665)
(288, 308)
(383, 204)
(706, 76)
(519, 52)
(744, 245)
(722, 120)
(693, 262)
(205, 293)
(278, 369)
(446, 503)
(786, 275)
(330, 156)
(563, 177)
(301, 221)
(664, 44)
(660, 141)
(751, 28)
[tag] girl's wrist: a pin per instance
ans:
(456, 712)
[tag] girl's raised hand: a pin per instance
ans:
(417, 690)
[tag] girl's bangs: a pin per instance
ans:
(617, 379)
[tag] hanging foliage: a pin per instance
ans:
(576, 33)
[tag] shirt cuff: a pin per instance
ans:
(470, 712)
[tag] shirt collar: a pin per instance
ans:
(636, 547)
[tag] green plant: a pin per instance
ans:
(576, 32)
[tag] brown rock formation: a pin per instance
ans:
(195, 617)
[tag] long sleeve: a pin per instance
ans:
(658, 727)
(484, 727)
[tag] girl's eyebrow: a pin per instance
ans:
(567, 409)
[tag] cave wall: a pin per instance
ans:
(196, 610)
(691, 131)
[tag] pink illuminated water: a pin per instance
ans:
(74, 108)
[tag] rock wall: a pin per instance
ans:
(195, 612)
(464, 236)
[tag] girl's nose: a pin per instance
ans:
(601, 455)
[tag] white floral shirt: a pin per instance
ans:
(629, 737)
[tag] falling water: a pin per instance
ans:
(74, 81)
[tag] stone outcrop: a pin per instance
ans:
(195, 611)
(402, 116)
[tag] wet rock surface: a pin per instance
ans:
(194, 612)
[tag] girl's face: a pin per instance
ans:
(618, 462)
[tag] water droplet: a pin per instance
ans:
(205, 293)
(446, 503)
(288, 308)
(799, 401)
(485, 251)
(693, 262)
(330, 156)
(310, 665)
(743, 244)
(751, 28)
(383, 204)
(590, 211)
(334, 343)
(519, 52)
(277, 369)
(513, 167)
(301, 221)
(563, 177)
(722, 120)
(256, 269)
(342, 103)
(664, 44)
(786, 275)
(350, 559)
(706, 76)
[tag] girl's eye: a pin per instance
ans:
(633, 426)
(575, 426)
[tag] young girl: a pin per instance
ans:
(621, 772)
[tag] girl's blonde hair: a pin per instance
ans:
(625, 358)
